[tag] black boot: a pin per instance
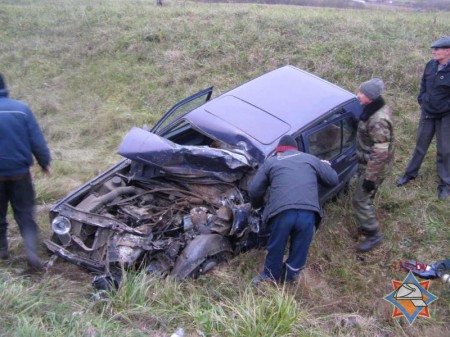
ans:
(403, 180)
(32, 253)
(34, 261)
(444, 192)
(4, 254)
(262, 278)
(3, 244)
(373, 240)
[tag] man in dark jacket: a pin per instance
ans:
(292, 209)
(20, 139)
(434, 100)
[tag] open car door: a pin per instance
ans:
(181, 108)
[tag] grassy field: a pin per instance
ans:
(92, 70)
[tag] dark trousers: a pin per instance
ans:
(298, 226)
(428, 127)
(443, 149)
(20, 193)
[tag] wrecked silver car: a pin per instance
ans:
(177, 204)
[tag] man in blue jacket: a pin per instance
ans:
(292, 210)
(434, 100)
(20, 139)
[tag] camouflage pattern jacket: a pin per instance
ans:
(375, 140)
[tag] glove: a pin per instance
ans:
(368, 185)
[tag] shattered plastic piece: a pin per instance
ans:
(240, 218)
(187, 222)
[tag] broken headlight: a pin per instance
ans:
(61, 225)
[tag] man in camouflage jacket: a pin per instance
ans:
(374, 149)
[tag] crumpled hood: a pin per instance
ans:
(184, 160)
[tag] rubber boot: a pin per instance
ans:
(371, 241)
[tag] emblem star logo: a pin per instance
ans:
(410, 298)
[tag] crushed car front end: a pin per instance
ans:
(161, 209)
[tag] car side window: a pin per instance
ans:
(349, 127)
(332, 139)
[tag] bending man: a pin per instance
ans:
(292, 210)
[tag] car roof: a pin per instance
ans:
(264, 109)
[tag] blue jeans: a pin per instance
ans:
(298, 226)
(20, 193)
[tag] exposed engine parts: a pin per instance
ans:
(169, 226)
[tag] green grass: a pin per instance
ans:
(92, 70)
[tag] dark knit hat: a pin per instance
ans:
(443, 42)
(2, 82)
(287, 140)
(372, 88)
